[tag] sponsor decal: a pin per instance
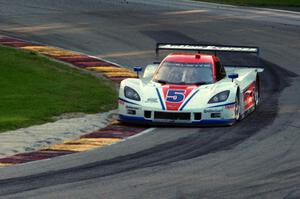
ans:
(230, 106)
(215, 48)
(152, 100)
(131, 107)
(248, 96)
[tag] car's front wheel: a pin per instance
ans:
(256, 97)
(237, 107)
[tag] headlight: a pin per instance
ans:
(131, 94)
(220, 97)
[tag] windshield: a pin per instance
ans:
(184, 73)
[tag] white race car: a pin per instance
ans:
(191, 88)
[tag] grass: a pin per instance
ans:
(263, 3)
(33, 89)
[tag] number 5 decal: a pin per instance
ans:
(175, 96)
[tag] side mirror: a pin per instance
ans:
(233, 76)
(137, 69)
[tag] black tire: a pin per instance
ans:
(237, 108)
(256, 96)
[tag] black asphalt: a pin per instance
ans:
(256, 158)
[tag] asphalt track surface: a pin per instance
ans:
(257, 158)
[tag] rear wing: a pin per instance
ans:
(207, 48)
(212, 48)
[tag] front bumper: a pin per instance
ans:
(214, 115)
(142, 120)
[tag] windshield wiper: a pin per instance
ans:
(180, 83)
(196, 83)
(200, 83)
(161, 81)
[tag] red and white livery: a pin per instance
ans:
(191, 88)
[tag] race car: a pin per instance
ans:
(191, 88)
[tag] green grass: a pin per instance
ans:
(263, 3)
(33, 89)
